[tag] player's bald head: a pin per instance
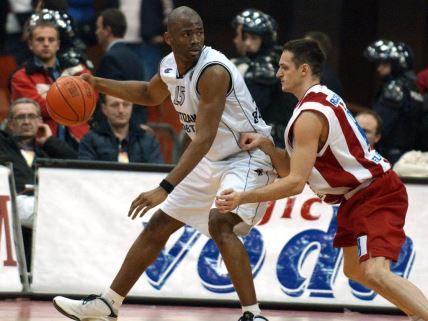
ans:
(181, 15)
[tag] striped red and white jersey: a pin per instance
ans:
(346, 163)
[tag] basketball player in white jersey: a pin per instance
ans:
(215, 107)
(326, 148)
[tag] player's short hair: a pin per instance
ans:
(115, 19)
(306, 51)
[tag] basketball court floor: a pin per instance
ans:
(26, 310)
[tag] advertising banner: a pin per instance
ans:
(9, 272)
(83, 234)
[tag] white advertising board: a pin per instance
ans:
(9, 272)
(83, 234)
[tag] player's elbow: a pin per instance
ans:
(297, 184)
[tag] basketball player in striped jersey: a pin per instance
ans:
(214, 106)
(327, 149)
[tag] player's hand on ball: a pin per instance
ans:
(228, 200)
(146, 201)
(88, 78)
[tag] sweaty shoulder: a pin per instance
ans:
(214, 76)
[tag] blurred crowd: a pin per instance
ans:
(43, 40)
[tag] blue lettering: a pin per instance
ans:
(211, 269)
(159, 272)
(293, 258)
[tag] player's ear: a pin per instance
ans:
(305, 69)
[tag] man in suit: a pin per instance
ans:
(118, 62)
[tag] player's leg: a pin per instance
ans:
(353, 270)
(377, 272)
(244, 172)
(234, 254)
(142, 253)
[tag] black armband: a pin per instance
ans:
(167, 186)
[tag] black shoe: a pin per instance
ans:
(248, 316)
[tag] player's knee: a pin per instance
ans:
(374, 275)
(218, 227)
(159, 228)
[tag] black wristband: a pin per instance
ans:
(167, 186)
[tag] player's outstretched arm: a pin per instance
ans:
(139, 92)
(301, 164)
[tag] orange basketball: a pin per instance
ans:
(70, 101)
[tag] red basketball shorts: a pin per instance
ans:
(374, 218)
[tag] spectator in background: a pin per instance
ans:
(34, 79)
(28, 139)
(398, 102)
(237, 27)
(328, 77)
(118, 139)
(119, 62)
(72, 50)
(371, 123)
(147, 24)
(259, 67)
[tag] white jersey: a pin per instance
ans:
(346, 162)
(240, 113)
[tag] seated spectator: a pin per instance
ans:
(371, 123)
(27, 139)
(118, 62)
(119, 139)
(34, 79)
(328, 77)
(398, 102)
(259, 67)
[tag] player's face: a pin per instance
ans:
(25, 120)
(44, 43)
(186, 39)
(369, 124)
(252, 43)
(117, 111)
(288, 73)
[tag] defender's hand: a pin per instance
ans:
(228, 200)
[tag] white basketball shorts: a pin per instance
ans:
(192, 199)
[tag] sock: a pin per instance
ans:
(416, 318)
(254, 309)
(114, 299)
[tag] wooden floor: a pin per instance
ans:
(25, 310)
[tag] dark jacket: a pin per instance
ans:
(101, 144)
(400, 106)
(121, 63)
(24, 174)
